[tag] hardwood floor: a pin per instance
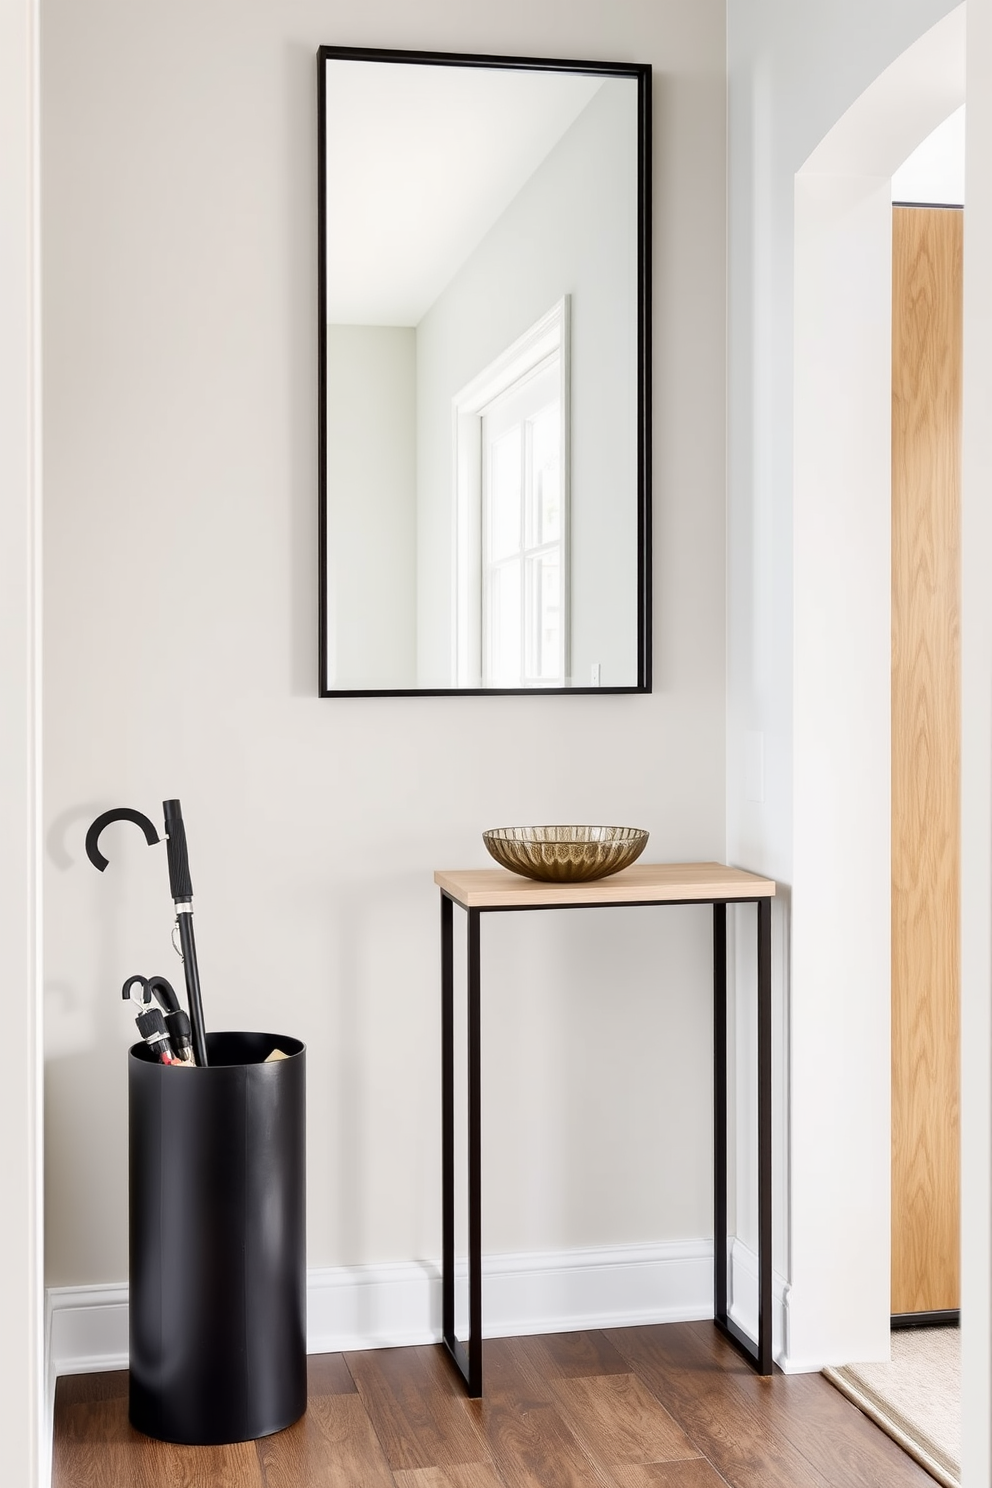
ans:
(661, 1407)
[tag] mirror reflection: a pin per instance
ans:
(483, 342)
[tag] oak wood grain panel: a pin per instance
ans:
(782, 1424)
(83, 1389)
(467, 1475)
(533, 1448)
(525, 1369)
(526, 1435)
(926, 422)
(333, 1443)
(95, 1446)
(822, 1423)
(235, 1466)
(617, 1419)
(416, 1403)
(696, 1473)
(817, 1419)
(576, 1355)
(753, 1433)
(517, 1369)
(328, 1374)
(732, 1432)
(670, 883)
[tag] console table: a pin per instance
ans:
(484, 890)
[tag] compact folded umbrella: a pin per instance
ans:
(182, 896)
(168, 1019)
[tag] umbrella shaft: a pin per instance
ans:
(188, 945)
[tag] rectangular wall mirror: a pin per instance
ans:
(484, 371)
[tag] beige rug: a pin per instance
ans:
(916, 1398)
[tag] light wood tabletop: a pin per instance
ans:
(641, 883)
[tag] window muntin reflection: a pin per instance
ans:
(523, 619)
(511, 590)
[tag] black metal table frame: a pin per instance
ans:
(467, 1355)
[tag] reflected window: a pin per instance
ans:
(511, 457)
(523, 625)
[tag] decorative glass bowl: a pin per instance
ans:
(565, 854)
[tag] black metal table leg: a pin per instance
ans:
(447, 1123)
(468, 1355)
(720, 1114)
(474, 1161)
(760, 1352)
(764, 1136)
(468, 1358)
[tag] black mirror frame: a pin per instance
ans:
(641, 72)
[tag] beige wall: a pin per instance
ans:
(371, 506)
(181, 656)
(21, 1308)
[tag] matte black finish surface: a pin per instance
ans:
(119, 813)
(474, 959)
(764, 1355)
(720, 1112)
(217, 1210)
(447, 1125)
(945, 1317)
(191, 968)
(180, 883)
(759, 1350)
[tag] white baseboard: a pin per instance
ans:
(86, 1329)
(610, 1287)
(743, 1302)
(364, 1307)
(360, 1307)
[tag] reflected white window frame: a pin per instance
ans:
(523, 627)
(547, 337)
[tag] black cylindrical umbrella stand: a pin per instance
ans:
(217, 1210)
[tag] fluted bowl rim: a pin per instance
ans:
(565, 853)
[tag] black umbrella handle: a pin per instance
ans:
(179, 879)
(119, 813)
(164, 993)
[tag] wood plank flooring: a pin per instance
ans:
(662, 1407)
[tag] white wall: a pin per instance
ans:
(808, 602)
(841, 715)
(20, 1169)
(181, 654)
(934, 173)
(572, 229)
(371, 506)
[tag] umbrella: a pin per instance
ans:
(181, 888)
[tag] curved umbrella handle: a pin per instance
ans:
(163, 991)
(119, 813)
(144, 997)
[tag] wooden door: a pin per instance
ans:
(926, 416)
